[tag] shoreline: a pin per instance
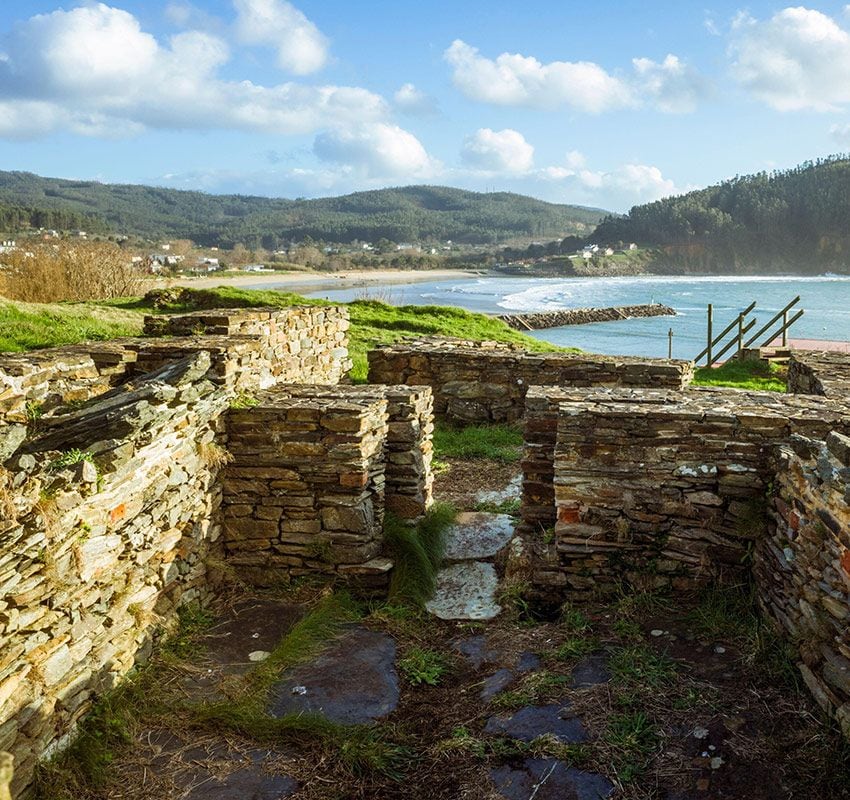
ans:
(300, 282)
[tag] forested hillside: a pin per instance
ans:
(792, 221)
(415, 213)
(18, 218)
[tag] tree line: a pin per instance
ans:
(795, 220)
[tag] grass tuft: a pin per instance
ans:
(417, 552)
(421, 665)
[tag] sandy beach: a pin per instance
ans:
(319, 281)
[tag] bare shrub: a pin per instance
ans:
(70, 271)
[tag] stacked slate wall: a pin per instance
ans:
(658, 488)
(300, 344)
(314, 471)
(823, 373)
(96, 552)
(802, 565)
(488, 381)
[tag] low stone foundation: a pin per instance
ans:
(802, 565)
(306, 344)
(823, 373)
(488, 382)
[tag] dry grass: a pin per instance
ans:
(69, 271)
(214, 456)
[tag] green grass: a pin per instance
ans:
(417, 552)
(421, 665)
(754, 375)
(641, 667)
(634, 738)
(496, 442)
(30, 326)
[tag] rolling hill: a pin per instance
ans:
(794, 221)
(412, 213)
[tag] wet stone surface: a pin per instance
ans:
(590, 671)
(466, 591)
(478, 536)
(353, 681)
(476, 651)
(532, 721)
(548, 779)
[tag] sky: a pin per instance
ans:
(601, 103)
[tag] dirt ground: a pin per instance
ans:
(685, 698)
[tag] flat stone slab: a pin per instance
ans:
(245, 784)
(590, 671)
(466, 591)
(497, 682)
(497, 496)
(476, 651)
(530, 722)
(353, 681)
(549, 779)
(478, 536)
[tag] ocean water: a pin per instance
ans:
(825, 299)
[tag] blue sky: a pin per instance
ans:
(606, 103)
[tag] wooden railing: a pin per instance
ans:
(740, 326)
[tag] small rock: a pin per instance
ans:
(717, 762)
(258, 655)
(719, 649)
(656, 632)
(700, 733)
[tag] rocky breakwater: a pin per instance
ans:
(583, 316)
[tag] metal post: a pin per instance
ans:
(740, 334)
(670, 343)
(785, 329)
(709, 360)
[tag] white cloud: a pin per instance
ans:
(516, 80)
(504, 151)
(301, 47)
(376, 150)
(673, 86)
(94, 70)
(411, 100)
(798, 59)
(841, 134)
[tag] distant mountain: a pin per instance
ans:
(795, 221)
(412, 213)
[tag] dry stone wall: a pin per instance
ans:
(488, 381)
(802, 565)
(314, 471)
(659, 488)
(96, 552)
(823, 373)
(300, 344)
(110, 494)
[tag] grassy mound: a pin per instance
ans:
(30, 326)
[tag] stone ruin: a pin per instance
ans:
(137, 473)
(632, 478)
